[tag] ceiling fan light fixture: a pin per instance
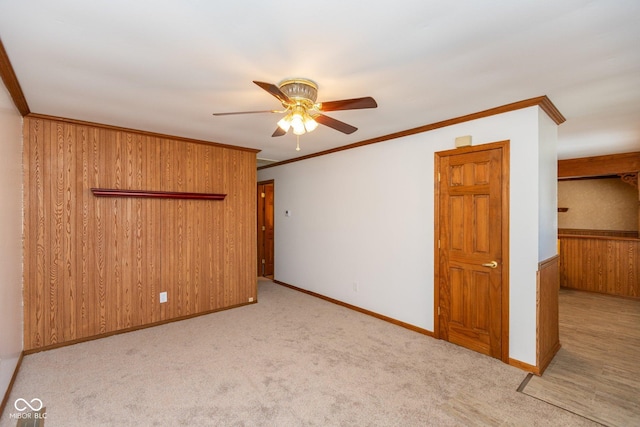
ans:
(298, 98)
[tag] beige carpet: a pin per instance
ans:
(290, 360)
(596, 373)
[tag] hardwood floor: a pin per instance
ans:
(596, 373)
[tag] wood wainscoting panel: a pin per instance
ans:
(96, 265)
(608, 265)
(548, 333)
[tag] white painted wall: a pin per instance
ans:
(364, 218)
(548, 195)
(11, 238)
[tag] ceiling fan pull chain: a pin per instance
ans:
(297, 142)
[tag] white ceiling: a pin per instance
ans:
(166, 66)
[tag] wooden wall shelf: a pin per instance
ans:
(108, 192)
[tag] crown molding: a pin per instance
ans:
(541, 101)
(35, 116)
(11, 82)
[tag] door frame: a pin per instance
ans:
(258, 184)
(504, 146)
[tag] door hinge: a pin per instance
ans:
(438, 176)
(263, 261)
(438, 310)
(263, 195)
(438, 243)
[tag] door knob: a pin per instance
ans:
(492, 264)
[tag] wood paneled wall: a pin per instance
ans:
(548, 335)
(96, 265)
(609, 265)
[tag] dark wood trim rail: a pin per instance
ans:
(593, 233)
(613, 164)
(107, 192)
(597, 237)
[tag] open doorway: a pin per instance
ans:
(265, 229)
(599, 223)
(598, 211)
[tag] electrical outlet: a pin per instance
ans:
(163, 297)
(355, 286)
(250, 299)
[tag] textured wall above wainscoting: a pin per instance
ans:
(96, 265)
(598, 204)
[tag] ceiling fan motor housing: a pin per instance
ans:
(302, 91)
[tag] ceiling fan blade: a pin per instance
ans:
(274, 90)
(335, 124)
(279, 132)
(350, 104)
(246, 112)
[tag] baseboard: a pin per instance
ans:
(13, 380)
(524, 366)
(359, 309)
(132, 329)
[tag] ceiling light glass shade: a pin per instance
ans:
(309, 123)
(297, 123)
(285, 123)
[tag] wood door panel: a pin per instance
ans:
(481, 224)
(481, 173)
(456, 175)
(456, 216)
(481, 295)
(458, 299)
(470, 234)
(470, 322)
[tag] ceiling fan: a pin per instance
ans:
(303, 114)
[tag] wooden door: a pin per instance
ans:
(265, 228)
(472, 198)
